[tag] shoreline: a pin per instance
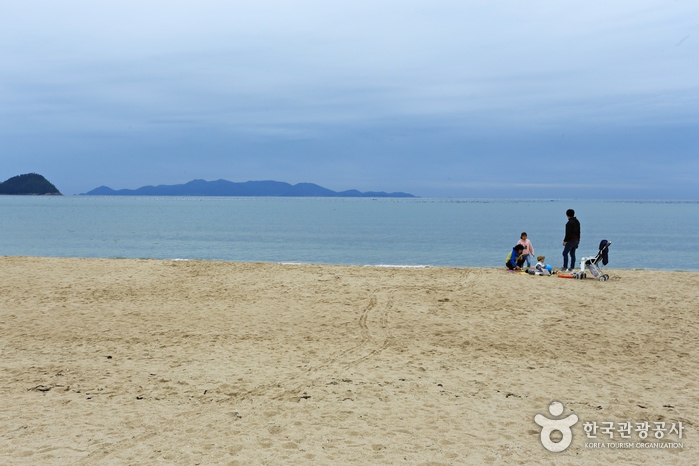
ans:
(320, 264)
(183, 362)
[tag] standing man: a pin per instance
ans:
(571, 240)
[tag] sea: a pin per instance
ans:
(400, 232)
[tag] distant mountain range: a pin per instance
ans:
(230, 188)
(28, 184)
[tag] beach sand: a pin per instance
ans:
(115, 361)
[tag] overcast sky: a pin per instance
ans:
(438, 98)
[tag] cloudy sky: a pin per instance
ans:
(439, 98)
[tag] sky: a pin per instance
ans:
(438, 98)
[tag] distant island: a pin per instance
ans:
(230, 188)
(28, 184)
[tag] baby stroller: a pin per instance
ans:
(592, 263)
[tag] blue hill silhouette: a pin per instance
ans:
(230, 188)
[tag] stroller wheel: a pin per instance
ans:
(603, 278)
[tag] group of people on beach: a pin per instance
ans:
(523, 251)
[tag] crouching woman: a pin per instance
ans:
(515, 259)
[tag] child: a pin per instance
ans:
(540, 267)
(515, 259)
(528, 247)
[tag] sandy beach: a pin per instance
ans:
(116, 361)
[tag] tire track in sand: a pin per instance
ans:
(375, 337)
(374, 331)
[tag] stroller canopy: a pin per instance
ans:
(603, 252)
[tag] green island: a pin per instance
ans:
(28, 184)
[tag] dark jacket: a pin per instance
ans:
(572, 230)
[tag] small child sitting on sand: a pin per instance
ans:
(540, 268)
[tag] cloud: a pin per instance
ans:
(379, 91)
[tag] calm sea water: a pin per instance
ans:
(408, 232)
